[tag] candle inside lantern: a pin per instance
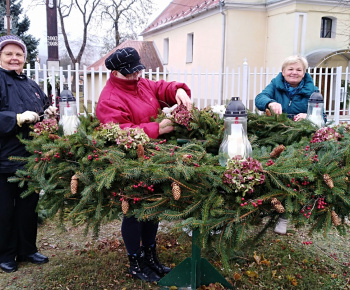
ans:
(235, 141)
(68, 113)
(315, 109)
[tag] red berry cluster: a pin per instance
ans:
(161, 142)
(243, 203)
(307, 211)
(95, 155)
(321, 203)
(307, 242)
(172, 150)
(269, 163)
(141, 184)
(305, 182)
(135, 199)
(294, 182)
(259, 202)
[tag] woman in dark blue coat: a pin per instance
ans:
(288, 92)
(21, 103)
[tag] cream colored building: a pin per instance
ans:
(216, 46)
(215, 34)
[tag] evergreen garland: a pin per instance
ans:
(111, 178)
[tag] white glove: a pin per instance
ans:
(27, 117)
(51, 112)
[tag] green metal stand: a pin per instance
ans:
(194, 272)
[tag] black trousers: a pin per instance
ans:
(134, 232)
(18, 221)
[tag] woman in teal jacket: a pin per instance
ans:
(289, 91)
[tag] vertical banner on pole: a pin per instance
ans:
(52, 35)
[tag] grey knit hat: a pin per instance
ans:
(125, 60)
(7, 39)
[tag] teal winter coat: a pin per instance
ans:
(277, 92)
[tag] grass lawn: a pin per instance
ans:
(273, 262)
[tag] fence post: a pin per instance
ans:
(245, 82)
(337, 94)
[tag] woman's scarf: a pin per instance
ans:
(293, 91)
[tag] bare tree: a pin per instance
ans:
(87, 9)
(132, 15)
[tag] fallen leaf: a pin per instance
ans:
(237, 276)
(252, 274)
(256, 258)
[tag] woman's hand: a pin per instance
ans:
(299, 117)
(275, 107)
(181, 97)
(51, 112)
(165, 126)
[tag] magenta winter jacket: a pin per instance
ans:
(132, 103)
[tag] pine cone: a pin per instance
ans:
(53, 137)
(140, 151)
(176, 190)
(125, 206)
(74, 184)
(277, 205)
(335, 219)
(328, 180)
(268, 112)
(277, 151)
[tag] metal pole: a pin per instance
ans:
(8, 16)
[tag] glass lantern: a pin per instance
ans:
(68, 112)
(235, 141)
(315, 109)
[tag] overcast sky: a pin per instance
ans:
(37, 16)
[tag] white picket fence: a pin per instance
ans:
(207, 88)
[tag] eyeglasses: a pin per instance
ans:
(10, 54)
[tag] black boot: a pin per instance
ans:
(140, 270)
(152, 261)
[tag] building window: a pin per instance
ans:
(166, 51)
(326, 27)
(189, 52)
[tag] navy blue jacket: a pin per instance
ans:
(277, 92)
(17, 95)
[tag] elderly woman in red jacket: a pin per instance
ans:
(131, 101)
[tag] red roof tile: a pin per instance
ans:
(148, 54)
(179, 9)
